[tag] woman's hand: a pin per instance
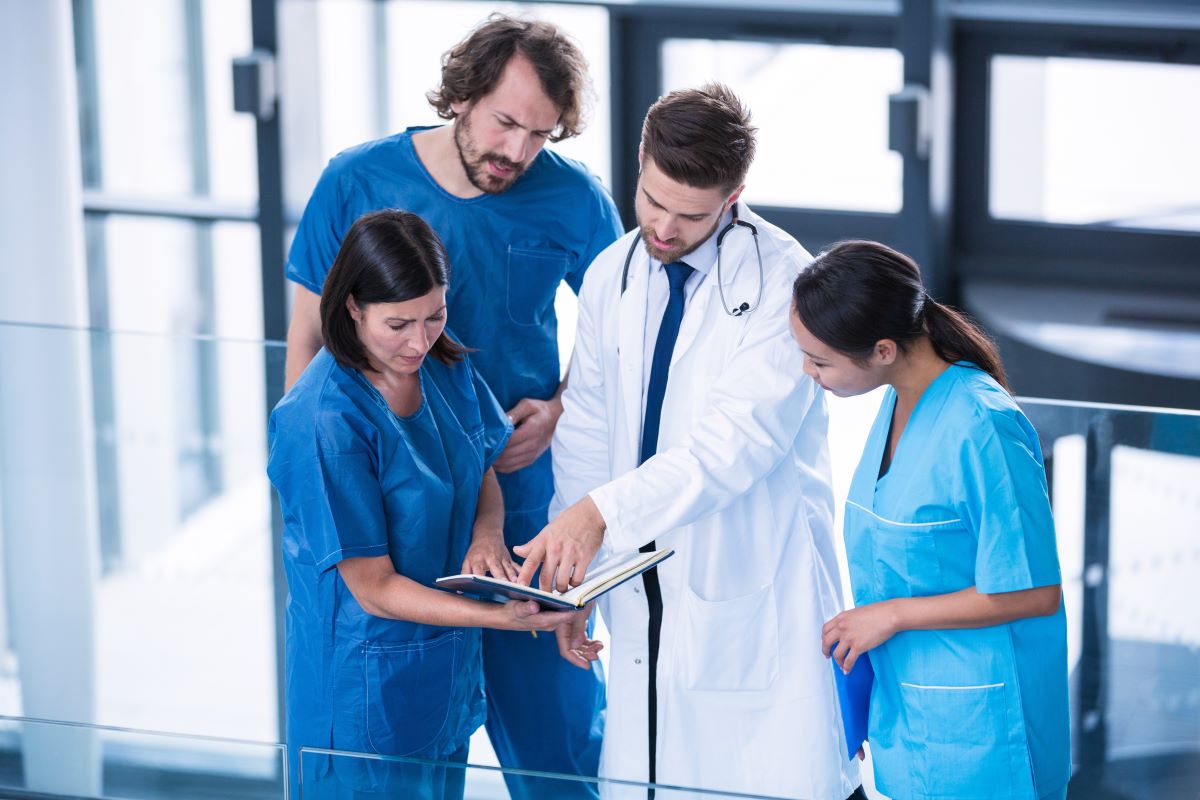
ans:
(573, 644)
(526, 615)
(854, 632)
(489, 555)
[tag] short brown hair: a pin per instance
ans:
(387, 257)
(472, 68)
(700, 137)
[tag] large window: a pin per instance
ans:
(1092, 141)
(822, 115)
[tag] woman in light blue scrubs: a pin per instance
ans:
(381, 454)
(949, 538)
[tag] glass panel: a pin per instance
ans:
(1090, 141)
(1127, 511)
(68, 760)
(166, 125)
(147, 493)
(821, 112)
(330, 773)
(415, 58)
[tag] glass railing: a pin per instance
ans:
(44, 759)
(329, 774)
(138, 587)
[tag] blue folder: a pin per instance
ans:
(854, 696)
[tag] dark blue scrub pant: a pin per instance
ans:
(543, 714)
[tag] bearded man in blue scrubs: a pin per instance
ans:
(516, 221)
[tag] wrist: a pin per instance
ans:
(485, 532)
(555, 407)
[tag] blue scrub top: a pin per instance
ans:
(354, 479)
(976, 713)
(509, 252)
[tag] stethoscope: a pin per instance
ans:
(733, 311)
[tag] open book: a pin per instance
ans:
(602, 578)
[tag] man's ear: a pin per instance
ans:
(733, 198)
(885, 352)
(460, 107)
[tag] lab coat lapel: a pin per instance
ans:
(631, 335)
(694, 314)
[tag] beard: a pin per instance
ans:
(679, 251)
(475, 163)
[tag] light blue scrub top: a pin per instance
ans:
(354, 479)
(509, 252)
(976, 713)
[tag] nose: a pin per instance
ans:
(665, 228)
(516, 146)
(809, 369)
(419, 341)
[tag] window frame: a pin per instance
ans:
(1029, 251)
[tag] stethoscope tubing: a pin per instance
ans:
(733, 311)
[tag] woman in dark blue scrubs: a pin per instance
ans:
(381, 454)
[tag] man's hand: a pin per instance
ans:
(489, 555)
(854, 632)
(534, 421)
(564, 548)
(573, 644)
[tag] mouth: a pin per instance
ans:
(500, 169)
(412, 359)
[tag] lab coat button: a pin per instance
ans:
(637, 661)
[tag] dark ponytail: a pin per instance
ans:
(857, 293)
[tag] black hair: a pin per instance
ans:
(857, 293)
(387, 257)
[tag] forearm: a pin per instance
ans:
(397, 597)
(969, 608)
(304, 335)
(489, 514)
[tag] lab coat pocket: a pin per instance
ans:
(533, 275)
(959, 740)
(408, 689)
(730, 645)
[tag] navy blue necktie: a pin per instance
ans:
(664, 345)
(660, 365)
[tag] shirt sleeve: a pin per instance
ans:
(497, 428)
(332, 502)
(1007, 505)
(319, 234)
(606, 229)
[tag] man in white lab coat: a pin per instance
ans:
(689, 424)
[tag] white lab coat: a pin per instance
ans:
(740, 488)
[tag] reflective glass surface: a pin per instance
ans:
(334, 774)
(46, 759)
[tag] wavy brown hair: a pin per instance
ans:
(472, 68)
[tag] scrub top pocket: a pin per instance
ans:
(962, 736)
(531, 281)
(407, 692)
(906, 557)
